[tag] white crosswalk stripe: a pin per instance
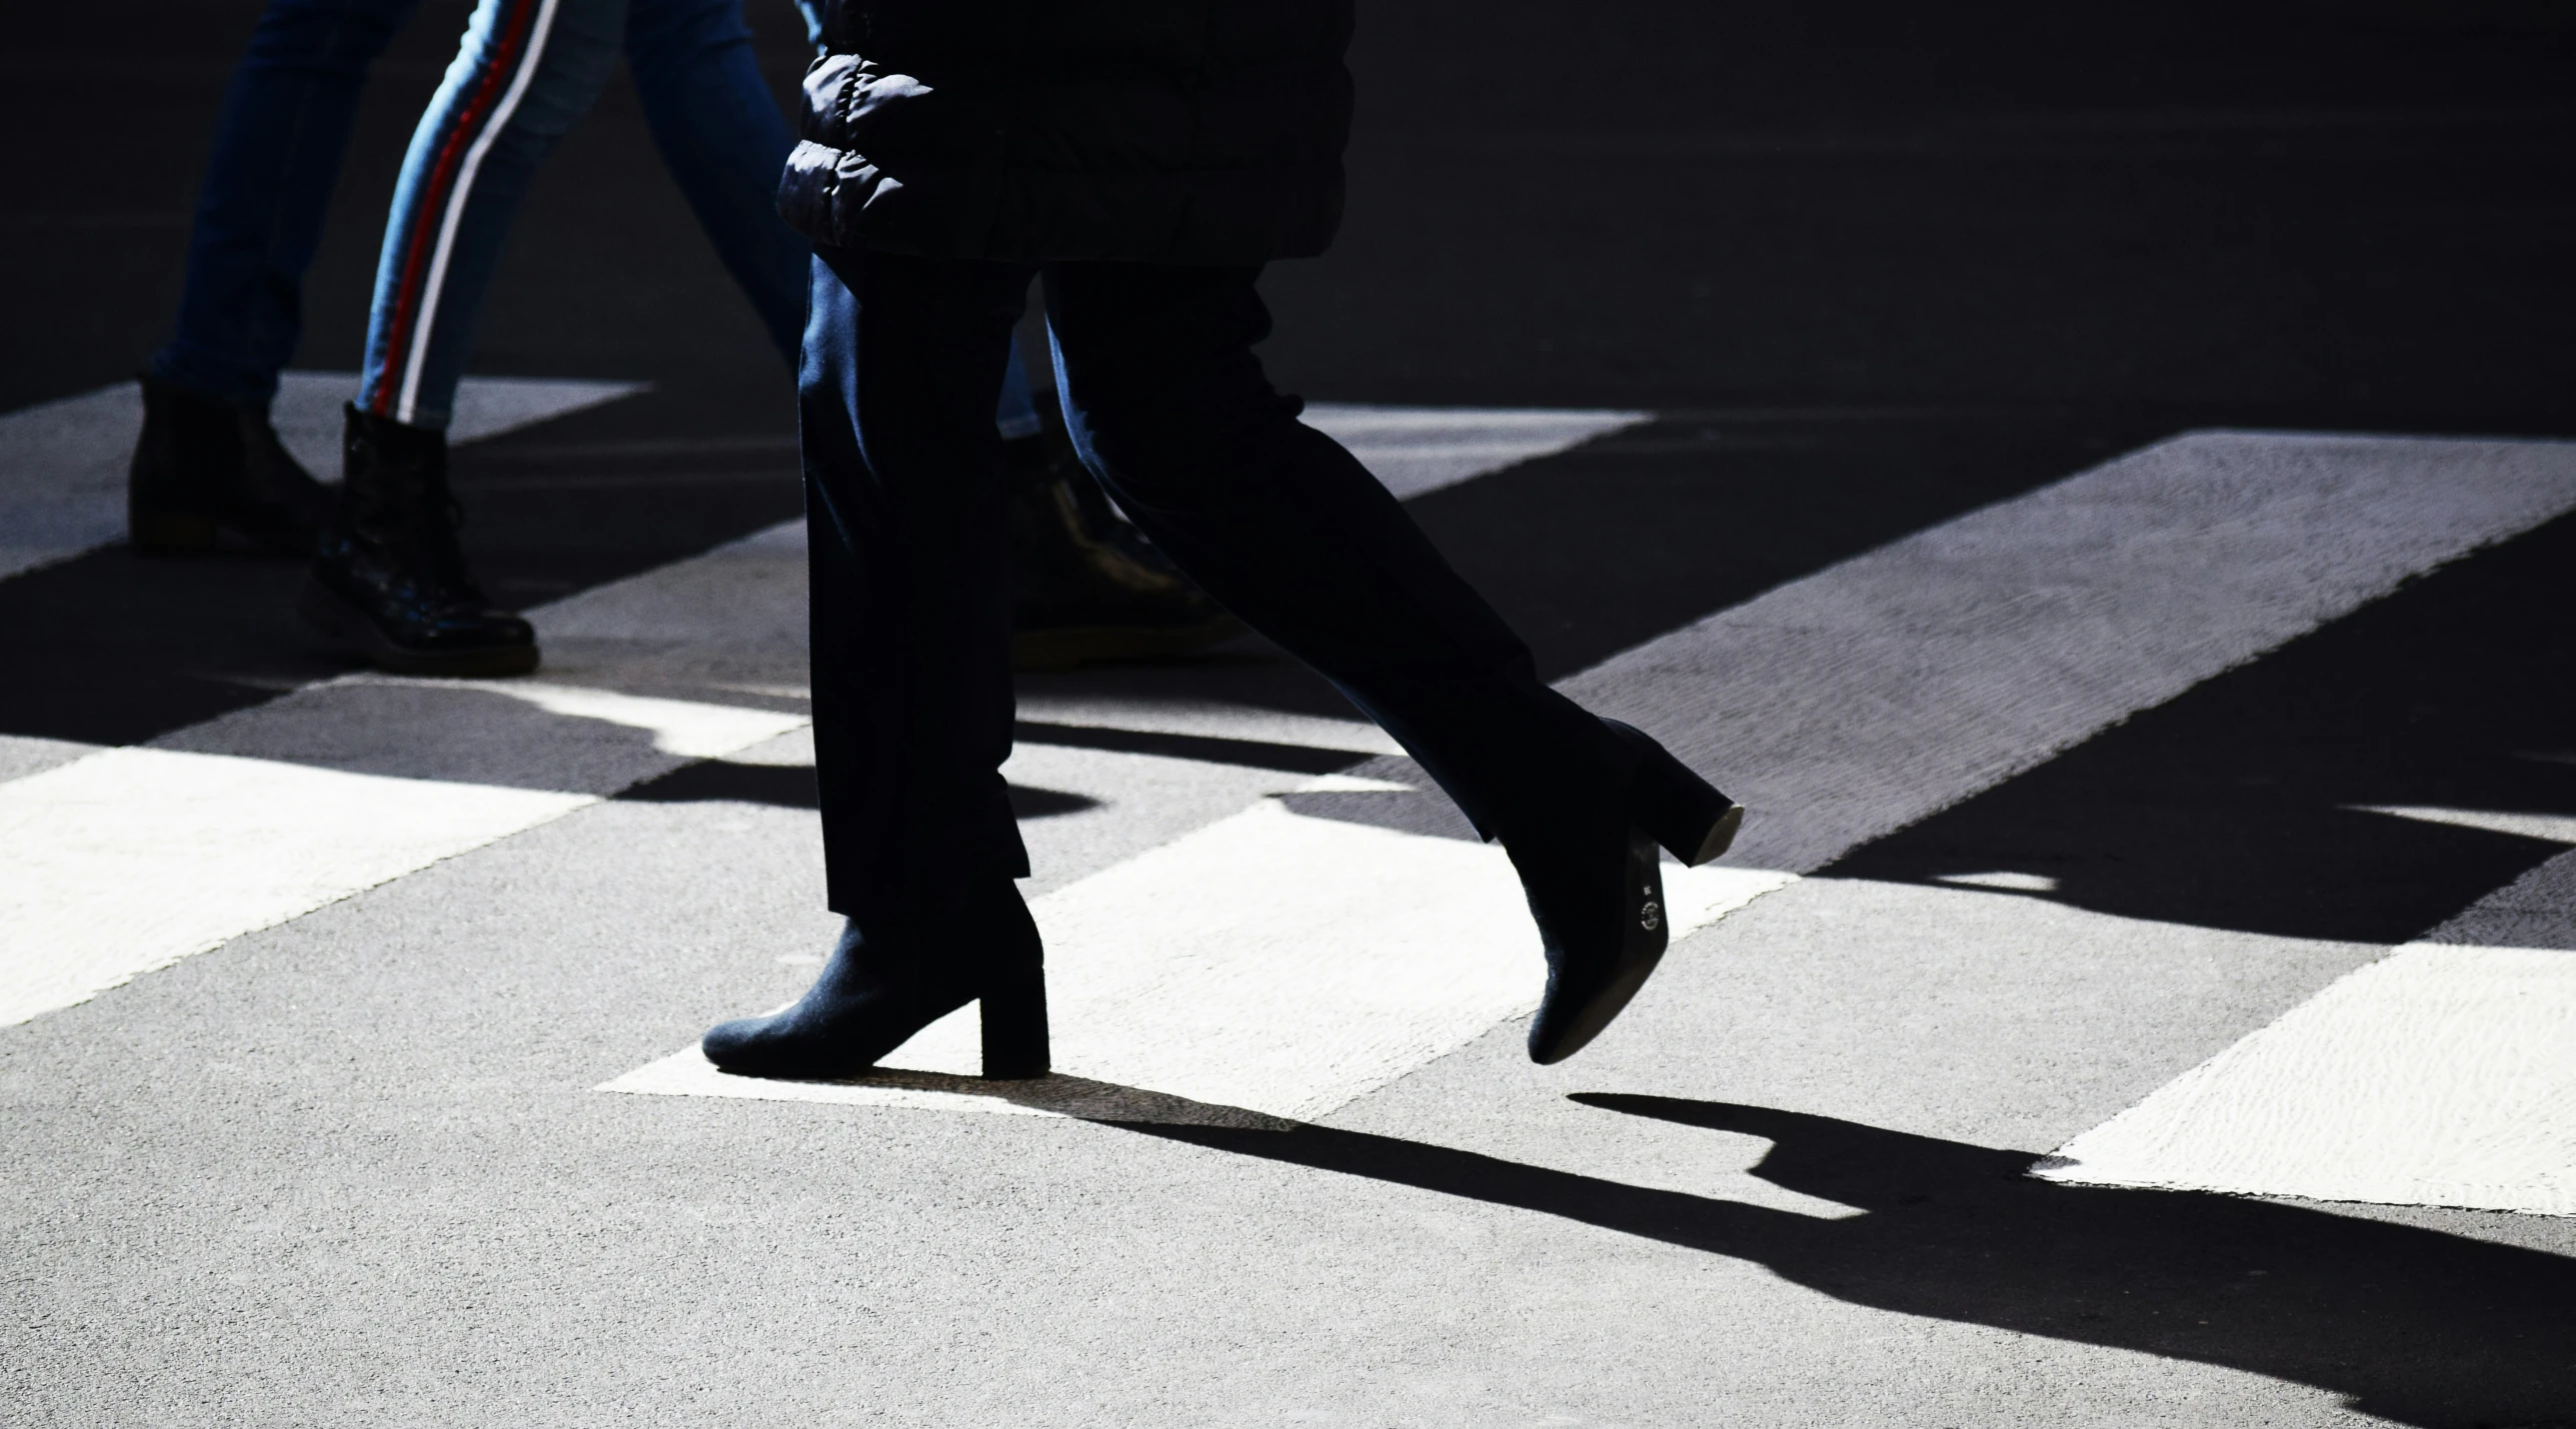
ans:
(1418, 450)
(273, 812)
(2443, 1074)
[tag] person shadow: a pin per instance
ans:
(2411, 1325)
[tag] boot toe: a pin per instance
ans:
(1581, 1008)
(745, 1046)
(780, 1047)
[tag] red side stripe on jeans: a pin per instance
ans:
(432, 205)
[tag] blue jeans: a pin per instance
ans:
(526, 71)
(278, 145)
(285, 128)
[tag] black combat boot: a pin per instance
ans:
(389, 576)
(208, 476)
(1086, 586)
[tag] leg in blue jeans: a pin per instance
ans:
(527, 70)
(724, 141)
(277, 153)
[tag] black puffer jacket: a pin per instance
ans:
(1168, 131)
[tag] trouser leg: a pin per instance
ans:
(903, 363)
(276, 157)
(1171, 410)
(724, 140)
(526, 71)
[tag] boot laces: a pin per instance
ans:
(415, 518)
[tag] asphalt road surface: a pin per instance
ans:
(2094, 484)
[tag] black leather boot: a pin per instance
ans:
(1596, 890)
(1595, 884)
(1086, 586)
(389, 576)
(880, 988)
(209, 476)
(1682, 811)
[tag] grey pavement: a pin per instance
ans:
(1743, 357)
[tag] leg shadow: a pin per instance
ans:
(2415, 1326)
(792, 786)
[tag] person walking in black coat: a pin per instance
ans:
(1143, 161)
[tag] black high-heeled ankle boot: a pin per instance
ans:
(876, 992)
(1596, 887)
(1086, 586)
(1596, 890)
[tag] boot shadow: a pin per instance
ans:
(2415, 1326)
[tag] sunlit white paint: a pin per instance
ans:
(1418, 450)
(1352, 784)
(2439, 1075)
(2007, 881)
(2444, 1074)
(127, 860)
(131, 859)
(2555, 828)
(1840, 707)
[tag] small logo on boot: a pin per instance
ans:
(1650, 916)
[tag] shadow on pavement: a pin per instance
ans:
(791, 786)
(2247, 802)
(2411, 1325)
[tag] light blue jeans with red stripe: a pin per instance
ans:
(526, 71)
(285, 126)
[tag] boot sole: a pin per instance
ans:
(170, 533)
(334, 616)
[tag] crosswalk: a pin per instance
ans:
(270, 812)
(1244, 943)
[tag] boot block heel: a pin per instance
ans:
(1014, 1012)
(166, 533)
(1676, 807)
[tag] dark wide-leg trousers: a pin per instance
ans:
(903, 360)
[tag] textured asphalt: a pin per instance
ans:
(1875, 267)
